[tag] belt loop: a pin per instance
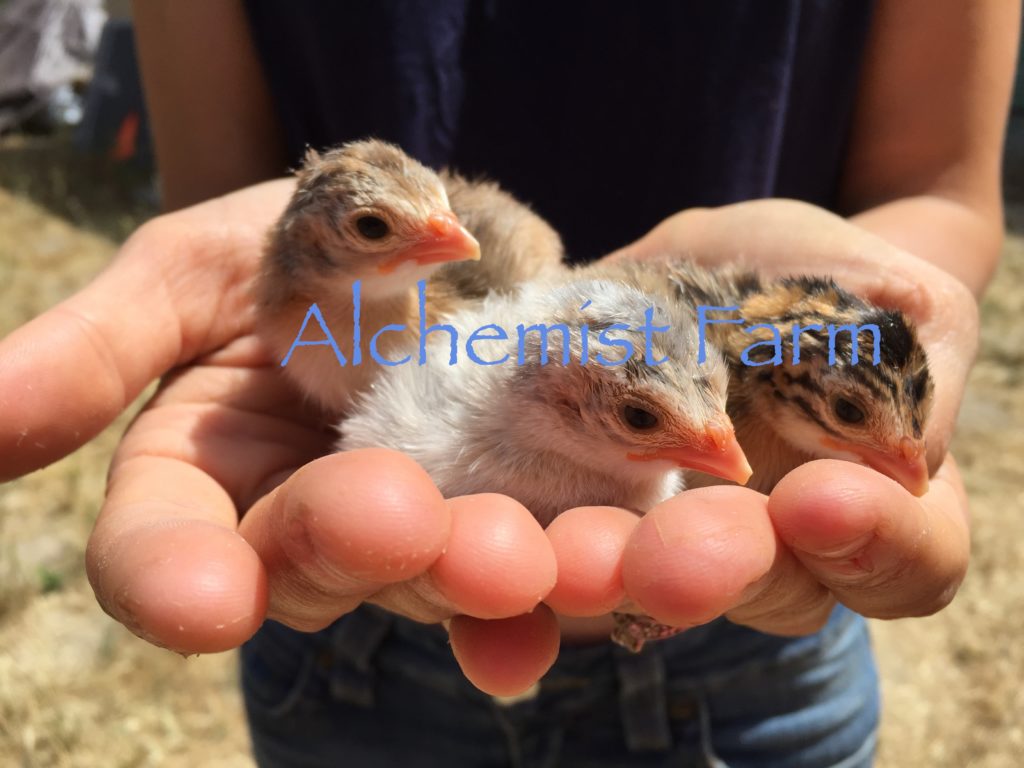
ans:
(642, 700)
(355, 640)
(711, 760)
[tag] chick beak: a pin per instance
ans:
(717, 453)
(905, 464)
(443, 239)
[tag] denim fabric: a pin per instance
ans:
(377, 690)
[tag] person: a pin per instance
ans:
(883, 121)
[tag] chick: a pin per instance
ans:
(554, 423)
(364, 212)
(368, 212)
(817, 408)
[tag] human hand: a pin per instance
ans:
(830, 530)
(222, 507)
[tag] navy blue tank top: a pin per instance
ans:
(605, 116)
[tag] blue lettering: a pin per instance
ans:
(703, 322)
(585, 338)
(357, 305)
(380, 358)
(649, 330)
(625, 344)
(855, 331)
(477, 335)
(542, 332)
(797, 330)
(775, 342)
(421, 289)
(314, 311)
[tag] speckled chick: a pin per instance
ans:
(825, 404)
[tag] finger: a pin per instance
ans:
(951, 347)
(693, 557)
(497, 563)
(788, 600)
(589, 543)
(881, 551)
(165, 559)
(786, 236)
(504, 657)
(178, 288)
(341, 528)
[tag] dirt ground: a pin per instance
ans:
(76, 689)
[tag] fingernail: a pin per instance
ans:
(852, 559)
(844, 551)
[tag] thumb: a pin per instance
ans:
(178, 288)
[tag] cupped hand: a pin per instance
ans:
(831, 530)
(223, 506)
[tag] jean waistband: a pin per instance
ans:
(368, 641)
(358, 648)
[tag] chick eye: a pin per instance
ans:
(848, 412)
(638, 418)
(372, 227)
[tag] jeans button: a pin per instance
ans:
(682, 709)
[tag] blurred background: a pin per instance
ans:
(77, 689)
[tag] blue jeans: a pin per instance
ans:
(377, 690)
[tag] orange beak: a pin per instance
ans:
(718, 454)
(443, 239)
(906, 465)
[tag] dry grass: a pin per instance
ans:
(78, 690)
(953, 682)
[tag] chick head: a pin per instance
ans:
(630, 399)
(844, 408)
(372, 213)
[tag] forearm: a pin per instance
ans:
(213, 121)
(924, 154)
(958, 238)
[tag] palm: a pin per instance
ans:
(233, 417)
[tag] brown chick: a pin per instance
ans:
(366, 212)
(366, 223)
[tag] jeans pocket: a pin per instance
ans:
(277, 667)
(811, 703)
